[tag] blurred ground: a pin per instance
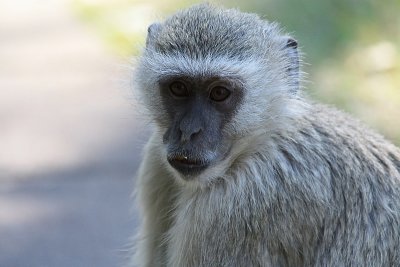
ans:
(70, 142)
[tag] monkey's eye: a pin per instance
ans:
(219, 93)
(178, 89)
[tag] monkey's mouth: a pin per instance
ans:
(187, 165)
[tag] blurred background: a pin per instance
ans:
(71, 131)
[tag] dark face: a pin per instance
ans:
(198, 109)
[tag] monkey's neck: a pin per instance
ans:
(248, 216)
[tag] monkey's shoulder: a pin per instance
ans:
(329, 134)
(329, 122)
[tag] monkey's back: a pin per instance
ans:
(344, 138)
(360, 173)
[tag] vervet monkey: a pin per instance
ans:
(242, 169)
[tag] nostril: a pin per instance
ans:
(195, 133)
(189, 135)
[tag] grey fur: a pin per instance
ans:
(304, 184)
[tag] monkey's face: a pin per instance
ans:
(198, 110)
(212, 81)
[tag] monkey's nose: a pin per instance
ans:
(190, 127)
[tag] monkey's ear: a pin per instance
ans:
(292, 67)
(152, 32)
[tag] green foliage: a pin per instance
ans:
(123, 23)
(324, 28)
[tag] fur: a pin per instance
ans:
(304, 185)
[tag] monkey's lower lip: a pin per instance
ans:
(187, 165)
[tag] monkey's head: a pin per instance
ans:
(211, 78)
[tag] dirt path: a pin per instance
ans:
(70, 141)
